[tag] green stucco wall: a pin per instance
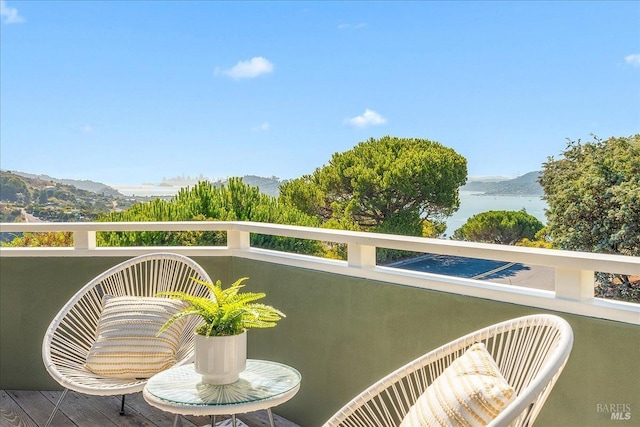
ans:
(341, 333)
(32, 291)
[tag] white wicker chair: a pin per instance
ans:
(531, 352)
(73, 330)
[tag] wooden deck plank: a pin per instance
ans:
(39, 407)
(137, 403)
(11, 414)
(80, 409)
(32, 409)
(109, 406)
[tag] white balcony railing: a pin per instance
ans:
(574, 271)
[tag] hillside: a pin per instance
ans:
(49, 200)
(525, 185)
(95, 187)
(55, 199)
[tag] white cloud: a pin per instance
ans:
(86, 129)
(368, 118)
(10, 14)
(633, 59)
(352, 26)
(262, 128)
(247, 69)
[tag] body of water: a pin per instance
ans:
(471, 203)
(147, 190)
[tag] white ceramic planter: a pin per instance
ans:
(220, 359)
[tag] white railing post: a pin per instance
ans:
(573, 284)
(361, 256)
(238, 239)
(84, 239)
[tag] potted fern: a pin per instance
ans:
(221, 340)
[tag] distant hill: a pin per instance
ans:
(525, 185)
(92, 186)
(48, 200)
(269, 186)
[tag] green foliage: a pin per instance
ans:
(593, 193)
(541, 240)
(44, 239)
(156, 210)
(13, 188)
(617, 286)
(389, 185)
(226, 311)
(433, 229)
(9, 213)
(502, 227)
(235, 201)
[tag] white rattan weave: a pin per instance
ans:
(531, 352)
(73, 330)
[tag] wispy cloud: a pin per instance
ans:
(633, 59)
(86, 129)
(247, 69)
(368, 118)
(359, 26)
(262, 128)
(9, 15)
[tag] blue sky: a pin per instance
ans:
(127, 92)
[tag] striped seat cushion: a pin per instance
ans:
(126, 344)
(470, 392)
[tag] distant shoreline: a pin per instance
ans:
(163, 190)
(471, 202)
(484, 194)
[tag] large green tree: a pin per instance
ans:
(235, 201)
(593, 193)
(502, 227)
(392, 185)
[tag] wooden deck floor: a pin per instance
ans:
(32, 409)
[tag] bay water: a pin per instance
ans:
(471, 203)
(147, 190)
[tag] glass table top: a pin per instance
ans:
(262, 380)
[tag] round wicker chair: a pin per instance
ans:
(73, 330)
(530, 351)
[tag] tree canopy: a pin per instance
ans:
(502, 227)
(11, 187)
(235, 201)
(392, 185)
(593, 193)
(42, 239)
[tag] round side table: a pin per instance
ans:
(263, 385)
